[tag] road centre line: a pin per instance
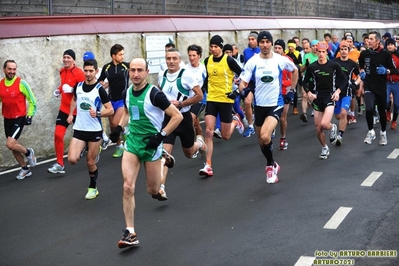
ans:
(305, 261)
(369, 181)
(394, 154)
(337, 218)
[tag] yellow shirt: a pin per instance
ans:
(220, 80)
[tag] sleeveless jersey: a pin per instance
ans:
(145, 119)
(220, 80)
(14, 103)
(84, 102)
(178, 87)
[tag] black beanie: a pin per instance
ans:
(217, 40)
(265, 35)
(71, 53)
(227, 47)
(390, 41)
(281, 43)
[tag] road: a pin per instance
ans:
(232, 218)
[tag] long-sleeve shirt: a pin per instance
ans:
(326, 77)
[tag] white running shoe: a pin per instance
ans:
(271, 173)
(162, 192)
(24, 173)
(203, 150)
(338, 140)
(370, 137)
(31, 158)
(56, 169)
(240, 126)
(105, 144)
(325, 151)
(333, 133)
(383, 138)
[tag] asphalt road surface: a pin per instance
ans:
(348, 202)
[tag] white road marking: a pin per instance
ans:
(337, 218)
(305, 261)
(393, 154)
(369, 181)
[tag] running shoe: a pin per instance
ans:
(393, 125)
(376, 119)
(162, 192)
(98, 154)
(245, 122)
(206, 171)
(361, 109)
(31, 158)
(248, 132)
(338, 141)
(56, 169)
(325, 151)
(217, 134)
(128, 240)
(105, 144)
(83, 151)
(295, 111)
(370, 136)
(24, 173)
(304, 117)
(271, 173)
(333, 133)
(118, 152)
(312, 114)
(388, 115)
(352, 119)
(383, 138)
(92, 193)
(169, 159)
(239, 126)
(283, 144)
(204, 148)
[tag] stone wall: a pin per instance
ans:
(358, 9)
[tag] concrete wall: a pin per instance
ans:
(39, 60)
(359, 9)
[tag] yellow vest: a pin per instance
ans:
(220, 80)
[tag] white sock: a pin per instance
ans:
(131, 229)
(251, 125)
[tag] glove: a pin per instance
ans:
(67, 89)
(28, 121)
(362, 75)
(57, 93)
(114, 136)
(153, 141)
(381, 70)
(232, 95)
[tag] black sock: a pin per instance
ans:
(27, 152)
(341, 133)
(93, 179)
(267, 151)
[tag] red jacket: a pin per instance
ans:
(286, 79)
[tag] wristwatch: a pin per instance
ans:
(163, 133)
(98, 113)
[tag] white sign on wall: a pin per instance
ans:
(155, 51)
